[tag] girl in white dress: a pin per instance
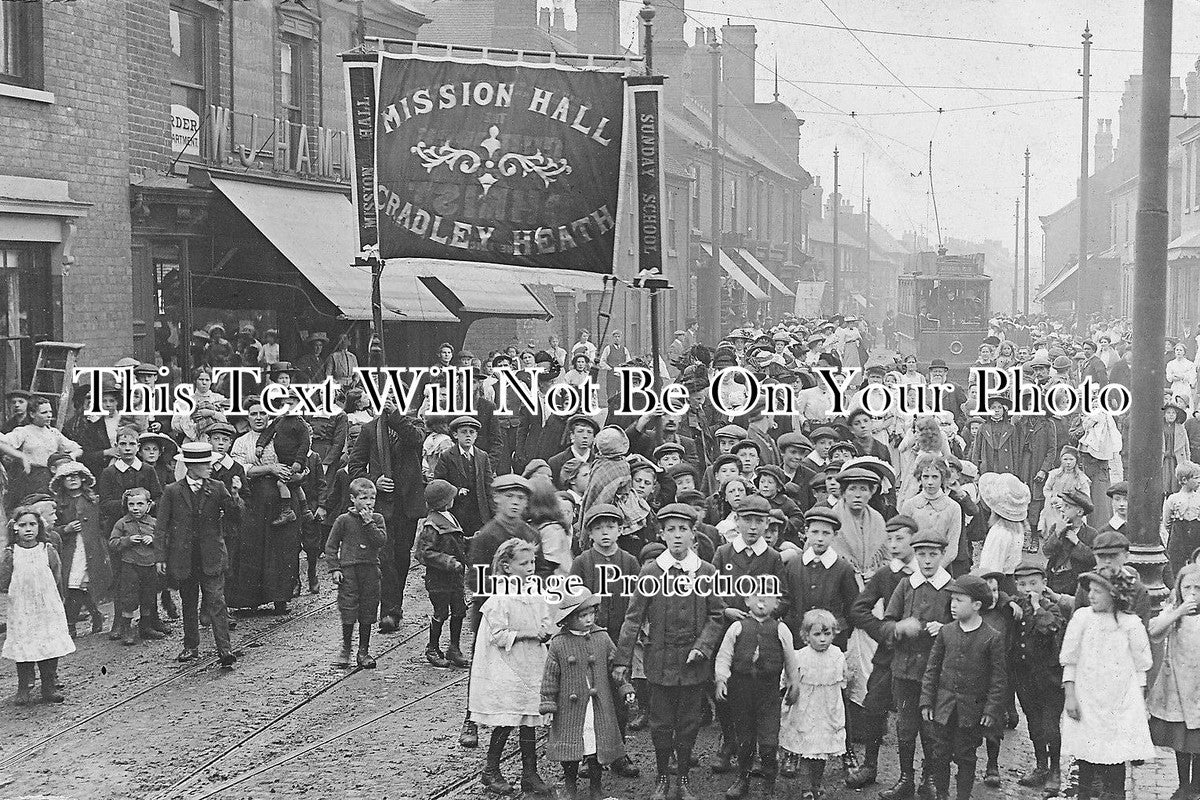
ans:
(814, 727)
(1105, 657)
(30, 573)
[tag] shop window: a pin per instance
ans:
(26, 309)
(21, 44)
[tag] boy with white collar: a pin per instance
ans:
(867, 615)
(914, 617)
(684, 630)
(748, 554)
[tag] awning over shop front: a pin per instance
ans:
(1058, 281)
(761, 269)
(481, 290)
(1186, 246)
(314, 230)
(862, 301)
(734, 271)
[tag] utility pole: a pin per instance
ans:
(710, 311)
(1150, 300)
(647, 16)
(834, 272)
(868, 235)
(1016, 254)
(1026, 231)
(1080, 276)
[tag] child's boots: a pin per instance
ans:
(126, 632)
(49, 675)
(25, 681)
(530, 780)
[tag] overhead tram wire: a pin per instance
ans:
(957, 87)
(914, 35)
(871, 53)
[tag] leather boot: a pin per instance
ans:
(723, 761)
(530, 780)
(469, 736)
(928, 789)
(493, 780)
(1036, 776)
(148, 631)
(862, 777)
(683, 791)
(625, 768)
(117, 633)
(903, 789)
(739, 788)
(662, 788)
(25, 681)
(314, 586)
(49, 676)
(789, 765)
(126, 632)
(1053, 783)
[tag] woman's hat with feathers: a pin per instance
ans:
(68, 468)
(1114, 579)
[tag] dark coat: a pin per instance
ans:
(94, 541)
(475, 507)
(442, 548)
(996, 448)
(559, 460)
(1066, 561)
(186, 521)
(925, 603)
(1039, 450)
(966, 673)
(93, 438)
(393, 450)
(610, 614)
(809, 586)
(112, 485)
(881, 586)
(733, 564)
(538, 438)
(577, 667)
(329, 437)
(678, 625)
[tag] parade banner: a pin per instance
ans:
(503, 163)
(360, 79)
(647, 153)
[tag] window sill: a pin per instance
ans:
(25, 93)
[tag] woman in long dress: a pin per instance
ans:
(266, 563)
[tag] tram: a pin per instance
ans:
(944, 308)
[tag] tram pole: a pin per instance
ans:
(1026, 303)
(1016, 255)
(835, 278)
(1080, 276)
(1150, 300)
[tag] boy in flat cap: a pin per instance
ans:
(684, 629)
(963, 689)
(1037, 673)
(915, 614)
(867, 615)
(469, 470)
(748, 554)
(601, 568)
(1118, 495)
(1068, 548)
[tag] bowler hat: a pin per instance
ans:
(938, 363)
(973, 587)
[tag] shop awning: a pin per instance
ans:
(314, 230)
(761, 269)
(1186, 246)
(734, 271)
(862, 301)
(480, 290)
(1058, 281)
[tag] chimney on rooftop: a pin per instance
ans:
(1103, 154)
(738, 56)
(598, 26)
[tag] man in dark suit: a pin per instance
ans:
(541, 432)
(189, 543)
(468, 469)
(97, 435)
(582, 429)
(388, 452)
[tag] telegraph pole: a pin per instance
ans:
(1080, 276)
(868, 234)
(711, 289)
(1016, 255)
(834, 276)
(1150, 299)
(1026, 231)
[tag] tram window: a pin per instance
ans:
(952, 306)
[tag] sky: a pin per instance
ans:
(978, 154)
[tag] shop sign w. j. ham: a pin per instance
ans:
(503, 163)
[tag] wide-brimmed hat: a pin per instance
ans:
(571, 603)
(68, 468)
(881, 468)
(165, 443)
(1119, 584)
(1005, 495)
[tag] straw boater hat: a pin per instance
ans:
(195, 453)
(1005, 495)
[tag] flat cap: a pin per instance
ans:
(469, 422)
(826, 515)
(1120, 487)
(602, 511)
(973, 587)
(1029, 567)
(727, 458)
(583, 419)
(731, 432)
(509, 482)
(666, 448)
(929, 538)
(901, 522)
(753, 506)
(851, 474)
(824, 432)
(677, 511)
(794, 440)
(1109, 541)
(1080, 500)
